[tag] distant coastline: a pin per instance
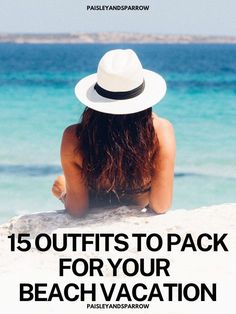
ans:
(113, 38)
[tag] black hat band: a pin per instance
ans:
(120, 95)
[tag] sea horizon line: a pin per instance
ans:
(113, 37)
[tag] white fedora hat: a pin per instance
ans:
(121, 85)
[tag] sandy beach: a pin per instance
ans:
(187, 266)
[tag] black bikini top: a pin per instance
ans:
(120, 192)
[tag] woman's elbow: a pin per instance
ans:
(76, 213)
(75, 210)
(160, 208)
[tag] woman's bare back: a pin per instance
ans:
(76, 192)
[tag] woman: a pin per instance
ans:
(120, 152)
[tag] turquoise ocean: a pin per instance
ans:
(37, 102)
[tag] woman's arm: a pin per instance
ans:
(76, 197)
(160, 197)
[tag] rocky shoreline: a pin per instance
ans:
(77, 38)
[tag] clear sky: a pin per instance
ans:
(199, 17)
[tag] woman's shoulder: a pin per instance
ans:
(161, 124)
(70, 143)
(70, 131)
(165, 133)
(69, 137)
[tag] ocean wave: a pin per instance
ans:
(173, 84)
(178, 84)
(37, 82)
(47, 170)
(30, 170)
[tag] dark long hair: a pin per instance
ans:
(118, 150)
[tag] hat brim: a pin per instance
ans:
(154, 91)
